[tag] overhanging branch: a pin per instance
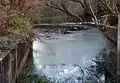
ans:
(64, 9)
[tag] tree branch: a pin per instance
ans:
(63, 8)
(83, 5)
(105, 3)
(95, 18)
(78, 1)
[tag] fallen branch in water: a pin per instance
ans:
(74, 24)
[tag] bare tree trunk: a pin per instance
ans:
(118, 51)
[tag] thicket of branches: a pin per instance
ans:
(97, 9)
(14, 16)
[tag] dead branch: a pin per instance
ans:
(80, 23)
(103, 25)
(83, 5)
(64, 9)
(95, 18)
(110, 8)
(78, 1)
(106, 18)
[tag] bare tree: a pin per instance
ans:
(100, 10)
(79, 9)
(118, 51)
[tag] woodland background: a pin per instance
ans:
(17, 17)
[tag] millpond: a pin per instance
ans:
(69, 55)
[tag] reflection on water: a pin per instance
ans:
(67, 58)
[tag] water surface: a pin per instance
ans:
(67, 58)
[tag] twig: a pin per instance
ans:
(106, 18)
(78, 1)
(63, 9)
(95, 18)
(103, 25)
(83, 6)
(70, 13)
(104, 2)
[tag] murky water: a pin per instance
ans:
(69, 58)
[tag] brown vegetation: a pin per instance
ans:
(14, 12)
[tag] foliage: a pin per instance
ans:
(13, 17)
(19, 26)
